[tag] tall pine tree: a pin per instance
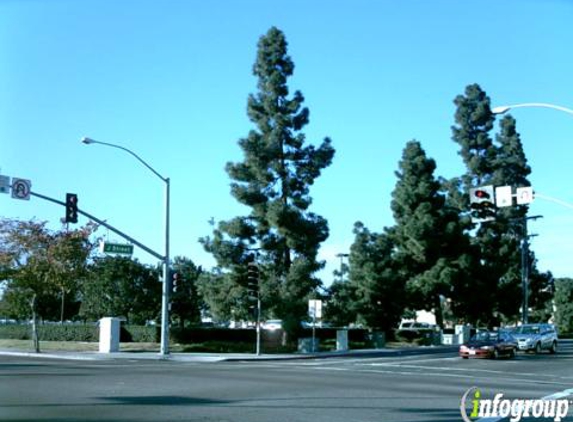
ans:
(430, 243)
(500, 163)
(274, 181)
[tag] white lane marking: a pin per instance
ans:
(443, 375)
(459, 369)
(334, 361)
(559, 395)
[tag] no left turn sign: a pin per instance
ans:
(21, 188)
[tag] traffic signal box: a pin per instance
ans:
(174, 282)
(253, 281)
(71, 208)
(482, 203)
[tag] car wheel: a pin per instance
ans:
(553, 348)
(465, 357)
(538, 348)
(512, 353)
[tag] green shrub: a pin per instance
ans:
(140, 334)
(84, 333)
(78, 332)
(51, 332)
(15, 332)
(220, 347)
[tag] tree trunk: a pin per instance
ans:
(439, 312)
(35, 338)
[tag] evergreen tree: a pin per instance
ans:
(377, 288)
(542, 291)
(341, 299)
(564, 305)
(501, 239)
(273, 181)
(429, 238)
(497, 243)
(474, 122)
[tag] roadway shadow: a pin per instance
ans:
(4, 365)
(443, 415)
(161, 401)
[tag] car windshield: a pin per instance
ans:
(528, 329)
(485, 336)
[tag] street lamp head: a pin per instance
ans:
(500, 109)
(87, 141)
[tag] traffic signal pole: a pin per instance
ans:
(258, 347)
(525, 273)
(525, 268)
(253, 293)
(104, 224)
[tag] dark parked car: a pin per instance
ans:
(489, 344)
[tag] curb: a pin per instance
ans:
(180, 357)
(370, 353)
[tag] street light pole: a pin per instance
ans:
(164, 346)
(525, 267)
(166, 285)
(525, 239)
(342, 256)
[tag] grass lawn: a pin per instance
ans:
(207, 347)
(77, 346)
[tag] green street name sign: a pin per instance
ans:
(117, 248)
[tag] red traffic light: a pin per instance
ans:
(482, 194)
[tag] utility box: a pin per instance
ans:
(341, 340)
(109, 335)
(463, 333)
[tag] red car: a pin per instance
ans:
(489, 344)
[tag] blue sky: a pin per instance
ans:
(170, 80)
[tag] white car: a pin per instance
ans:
(415, 326)
(273, 324)
(536, 337)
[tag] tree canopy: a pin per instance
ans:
(273, 181)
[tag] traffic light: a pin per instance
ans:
(482, 203)
(175, 281)
(253, 281)
(71, 208)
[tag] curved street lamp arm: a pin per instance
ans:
(506, 108)
(88, 141)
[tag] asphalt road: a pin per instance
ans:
(422, 388)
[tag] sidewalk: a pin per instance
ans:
(231, 357)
